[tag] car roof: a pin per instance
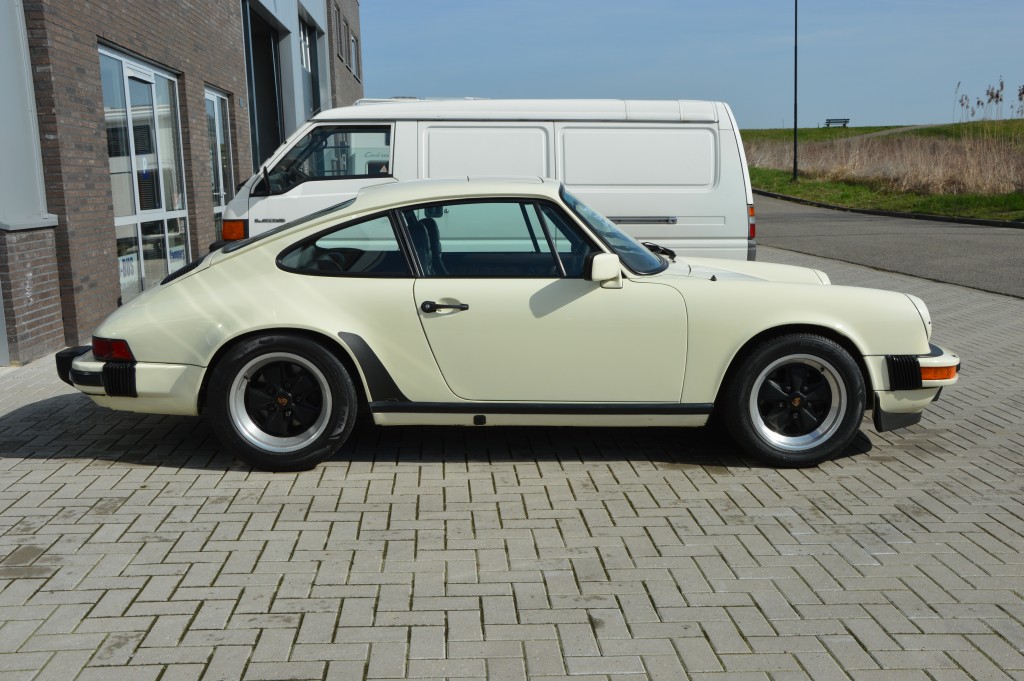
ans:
(382, 196)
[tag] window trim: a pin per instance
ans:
(536, 203)
(340, 37)
(263, 188)
(354, 61)
(224, 132)
(312, 239)
(134, 67)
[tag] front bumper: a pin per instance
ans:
(145, 387)
(904, 396)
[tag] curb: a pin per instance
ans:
(895, 214)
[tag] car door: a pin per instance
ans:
(508, 315)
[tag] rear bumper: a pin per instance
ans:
(64, 360)
(145, 387)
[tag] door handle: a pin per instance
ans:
(430, 306)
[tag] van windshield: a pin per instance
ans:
(235, 245)
(633, 254)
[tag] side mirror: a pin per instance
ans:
(605, 269)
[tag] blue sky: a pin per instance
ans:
(876, 62)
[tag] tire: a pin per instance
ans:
(281, 402)
(795, 400)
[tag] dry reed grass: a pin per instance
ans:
(977, 164)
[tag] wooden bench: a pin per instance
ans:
(833, 122)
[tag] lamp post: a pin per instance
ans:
(795, 5)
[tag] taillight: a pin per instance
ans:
(751, 223)
(233, 230)
(111, 348)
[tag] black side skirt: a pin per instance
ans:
(395, 407)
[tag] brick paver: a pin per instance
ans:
(132, 547)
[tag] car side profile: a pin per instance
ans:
(481, 302)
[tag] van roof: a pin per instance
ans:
(690, 111)
(411, 191)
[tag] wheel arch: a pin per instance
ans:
(330, 343)
(792, 329)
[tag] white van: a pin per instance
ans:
(671, 172)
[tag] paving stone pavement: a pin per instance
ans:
(132, 547)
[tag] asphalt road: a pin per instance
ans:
(984, 258)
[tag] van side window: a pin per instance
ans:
(361, 249)
(329, 152)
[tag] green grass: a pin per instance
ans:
(810, 134)
(874, 197)
(1010, 130)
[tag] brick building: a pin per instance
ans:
(127, 125)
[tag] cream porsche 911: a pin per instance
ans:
(482, 302)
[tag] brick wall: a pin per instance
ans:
(202, 42)
(28, 279)
(346, 87)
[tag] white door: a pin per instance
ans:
(508, 316)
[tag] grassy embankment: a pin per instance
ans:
(971, 169)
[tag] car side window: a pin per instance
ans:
(359, 249)
(329, 152)
(484, 239)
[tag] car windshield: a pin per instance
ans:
(633, 254)
(235, 245)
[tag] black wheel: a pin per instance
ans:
(795, 400)
(281, 402)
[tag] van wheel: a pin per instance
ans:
(795, 400)
(281, 402)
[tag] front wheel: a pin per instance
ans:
(281, 402)
(795, 400)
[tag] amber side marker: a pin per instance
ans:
(937, 373)
(233, 230)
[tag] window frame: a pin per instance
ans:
(353, 58)
(341, 37)
(264, 188)
(407, 254)
(165, 159)
(524, 203)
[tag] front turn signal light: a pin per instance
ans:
(937, 373)
(233, 230)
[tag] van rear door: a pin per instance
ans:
(664, 182)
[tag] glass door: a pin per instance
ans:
(146, 171)
(222, 179)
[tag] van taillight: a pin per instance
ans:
(751, 223)
(233, 230)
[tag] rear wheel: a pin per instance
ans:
(795, 400)
(281, 402)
